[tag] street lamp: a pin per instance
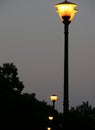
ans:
(66, 11)
(53, 99)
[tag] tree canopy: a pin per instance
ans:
(9, 79)
(20, 110)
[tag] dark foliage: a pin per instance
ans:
(17, 110)
(81, 117)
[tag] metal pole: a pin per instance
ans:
(53, 105)
(66, 68)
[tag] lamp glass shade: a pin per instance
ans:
(50, 117)
(66, 9)
(53, 97)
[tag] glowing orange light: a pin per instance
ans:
(53, 97)
(66, 9)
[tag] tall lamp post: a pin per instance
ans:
(53, 98)
(66, 11)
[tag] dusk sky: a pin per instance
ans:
(32, 37)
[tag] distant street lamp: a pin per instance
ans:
(66, 11)
(53, 99)
(50, 117)
(48, 128)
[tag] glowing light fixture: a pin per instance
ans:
(66, 9)
(50, 117)
(48, 128)
(53, 98)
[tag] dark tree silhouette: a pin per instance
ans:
(82, 117)
(9, 79)
(10, 93)
(10, 85)
(18, 110)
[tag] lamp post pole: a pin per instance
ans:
(66, 68)
(53, 104)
